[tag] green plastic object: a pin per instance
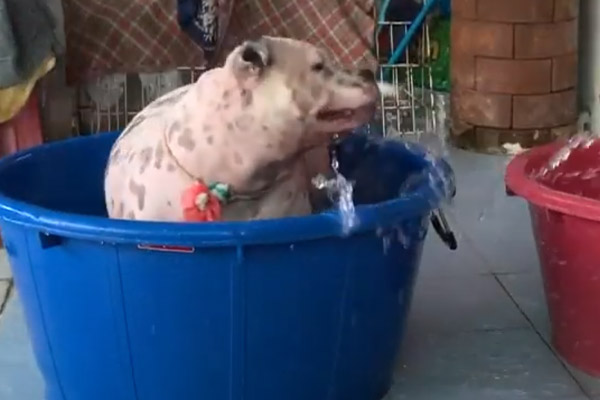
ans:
(439, 58)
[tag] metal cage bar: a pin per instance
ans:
(111, 102)
(410, 110)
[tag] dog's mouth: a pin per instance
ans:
(328, 115)
(344, 113)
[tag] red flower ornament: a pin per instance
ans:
(202, 203)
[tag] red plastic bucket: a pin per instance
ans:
(565, 214)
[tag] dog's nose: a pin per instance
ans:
(367, 75)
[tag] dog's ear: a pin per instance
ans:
(250, 59)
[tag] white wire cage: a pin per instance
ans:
(110, 102)
(410, 110)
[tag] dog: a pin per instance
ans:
(243, 141)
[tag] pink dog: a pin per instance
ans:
(234, 145)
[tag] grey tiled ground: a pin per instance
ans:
(4, 291)
(4, 267)
(478, 327)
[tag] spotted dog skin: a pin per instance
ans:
(260, 123)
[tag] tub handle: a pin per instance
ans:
(49, 240)
(167, 248)
(442, 228)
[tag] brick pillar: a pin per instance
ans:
(514, 72)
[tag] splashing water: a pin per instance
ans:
(438, 149)
(436, 127)
(581, 140)
(340, 191)
(434, 140)
(433, 145)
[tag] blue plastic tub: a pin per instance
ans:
(267, 310)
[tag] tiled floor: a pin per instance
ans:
(478, 328)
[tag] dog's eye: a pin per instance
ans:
(318, 67)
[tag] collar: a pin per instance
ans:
(232, 195)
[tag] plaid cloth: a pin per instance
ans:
(109, 36)
(344, 27)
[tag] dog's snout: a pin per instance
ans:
(367, 75)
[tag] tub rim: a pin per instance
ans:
(214, 234)
(518, 180)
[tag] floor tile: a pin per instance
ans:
(4, 285)
(455, 304)
(479, 181)
(506, 242)
(590, 384)
(492, 365)
(20, 378)
(528, 291)
(438, 260)
(583, 397)
(4, 266)
(496, 226)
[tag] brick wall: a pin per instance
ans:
(513, 71)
